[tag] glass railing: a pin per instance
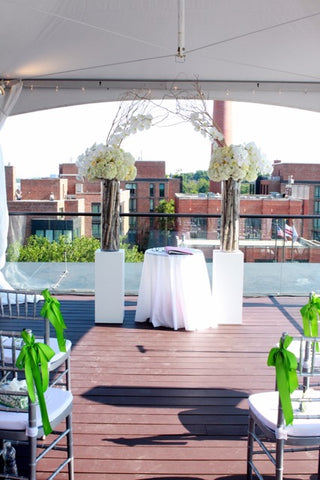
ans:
(274, 264)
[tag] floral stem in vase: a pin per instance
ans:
(230, 207)
(110, 218)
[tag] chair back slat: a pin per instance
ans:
(23, 305)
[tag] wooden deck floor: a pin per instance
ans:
(162, 404)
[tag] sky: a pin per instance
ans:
(36, 143)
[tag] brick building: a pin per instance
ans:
(298, 180)
(293, 189)
(67, 193)
(201, 231)
(150, 186)
(54, 195)
(90, 194)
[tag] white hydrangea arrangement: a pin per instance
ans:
(111, 164)
(239, 162)
(229, 164)
(110, 161)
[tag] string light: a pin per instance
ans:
(229, 89)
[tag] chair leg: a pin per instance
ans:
(68, 379)
(70, 447)
(251, 429)
(279, 459)
(33, 457)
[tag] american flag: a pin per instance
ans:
(280, 232)
(288, 231)
(291, 232)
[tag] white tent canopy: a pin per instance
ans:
(78, 51)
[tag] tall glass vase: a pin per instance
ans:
(110, 218)
(230, 209)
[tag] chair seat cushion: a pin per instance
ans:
(58, 355)
(57, 401)
(265, 408)
(7, 342)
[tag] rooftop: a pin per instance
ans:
(153, 404)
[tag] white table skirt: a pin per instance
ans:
(175, 291)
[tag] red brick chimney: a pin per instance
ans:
(10, 175)
(222, 115)
(223, 119)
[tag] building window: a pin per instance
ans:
(161, 190)
(316, 229)
(253, 228)
(132, 205)
(96, 221)
(317, 191)
(198, 227)
(151, 205)
(54, 235)
(151, 190)
(53, 229)
(252, 188)
(49, 235)
(96, 208)
(317, 207)
(132, 187)
(95, 229)
(132, 222)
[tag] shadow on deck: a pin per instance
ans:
(158, 404)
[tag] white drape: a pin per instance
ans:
(8, 102)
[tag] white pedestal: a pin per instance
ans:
(109, 286)
(227, 286)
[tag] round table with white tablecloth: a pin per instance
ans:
(175, 290)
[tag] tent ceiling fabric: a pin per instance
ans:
(78, 51)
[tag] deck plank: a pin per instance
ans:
(152, 403)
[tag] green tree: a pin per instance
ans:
(82, 249)
(166, 223)
(132, 254)
(203, 185)
(13, 251)
(194, 182)
(190, 186)
(37, 249)
(245, 188)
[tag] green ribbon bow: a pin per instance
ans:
(285, 363)
(310, 317)
(51, 310)
(34, 358)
